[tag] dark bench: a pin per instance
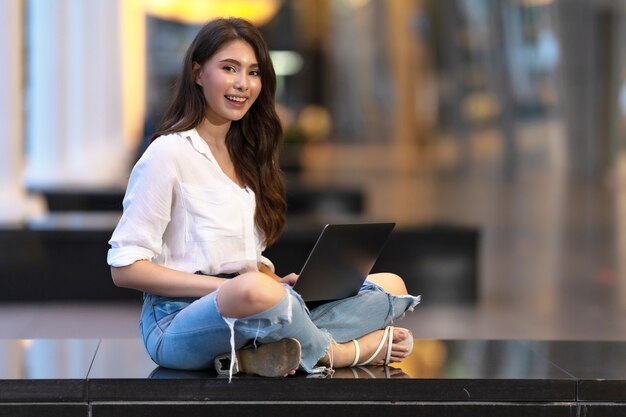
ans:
(301, 200)
(63, 257)
(114, 377)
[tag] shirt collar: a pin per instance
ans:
(197, 142)
(201, 146)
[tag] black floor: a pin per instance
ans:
(115, 377)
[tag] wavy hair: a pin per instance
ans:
(254, 141)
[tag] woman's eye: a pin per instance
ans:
(229, 68)
(255, 73)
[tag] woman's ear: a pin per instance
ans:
(196, 72)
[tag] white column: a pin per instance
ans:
(77, 135)
(15, 205)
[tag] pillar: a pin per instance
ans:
(78, 124)
(15, 205)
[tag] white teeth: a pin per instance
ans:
(237, 99)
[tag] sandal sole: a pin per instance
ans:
(272, 360)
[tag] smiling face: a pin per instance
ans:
(230, 81)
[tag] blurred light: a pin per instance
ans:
(258, 12)
(534, 3)
(315, 123)
(427, 360)
(480, 107)
(357, 4)
(26, 343)
(133, 63)
(286, 62)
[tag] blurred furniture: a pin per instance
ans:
(440, 262)
(63, 256)
(301, 200)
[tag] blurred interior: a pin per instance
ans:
(490, 129)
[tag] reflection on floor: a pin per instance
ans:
(92, 377)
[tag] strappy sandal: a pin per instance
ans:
(388, 338)
(272, 359)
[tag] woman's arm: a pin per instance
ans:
(159, 280)
(267, 271)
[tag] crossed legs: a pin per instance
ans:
(254, 292)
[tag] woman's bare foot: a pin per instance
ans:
(343, 354)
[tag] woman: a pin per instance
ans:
(203, 202)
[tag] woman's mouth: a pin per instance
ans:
(236, 99)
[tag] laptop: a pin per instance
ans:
(340, 261)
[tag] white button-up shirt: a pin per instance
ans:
(183, 212)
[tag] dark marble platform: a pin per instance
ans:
(115, 377)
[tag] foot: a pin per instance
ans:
(278, 359)
(344, 354)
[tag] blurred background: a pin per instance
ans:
(490, 131)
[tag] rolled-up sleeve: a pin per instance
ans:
(147, 206)
(268, 263)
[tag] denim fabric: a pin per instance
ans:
(372, 309)
(188, 333)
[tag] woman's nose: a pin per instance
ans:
(241, 82)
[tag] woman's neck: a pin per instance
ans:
(215, 137)
(213, 134)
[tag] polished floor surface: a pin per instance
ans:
(92, 377)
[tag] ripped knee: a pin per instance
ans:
(247, 294)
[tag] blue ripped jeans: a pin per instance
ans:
(188, 333)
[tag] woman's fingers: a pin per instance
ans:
(291, 279)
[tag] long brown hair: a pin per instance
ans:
(254, 141)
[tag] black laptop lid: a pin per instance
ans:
(341, 259)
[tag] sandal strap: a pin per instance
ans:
(357, 353)
(389, 346)
(367, 371)
(380, 345)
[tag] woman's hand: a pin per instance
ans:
(290, 279)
